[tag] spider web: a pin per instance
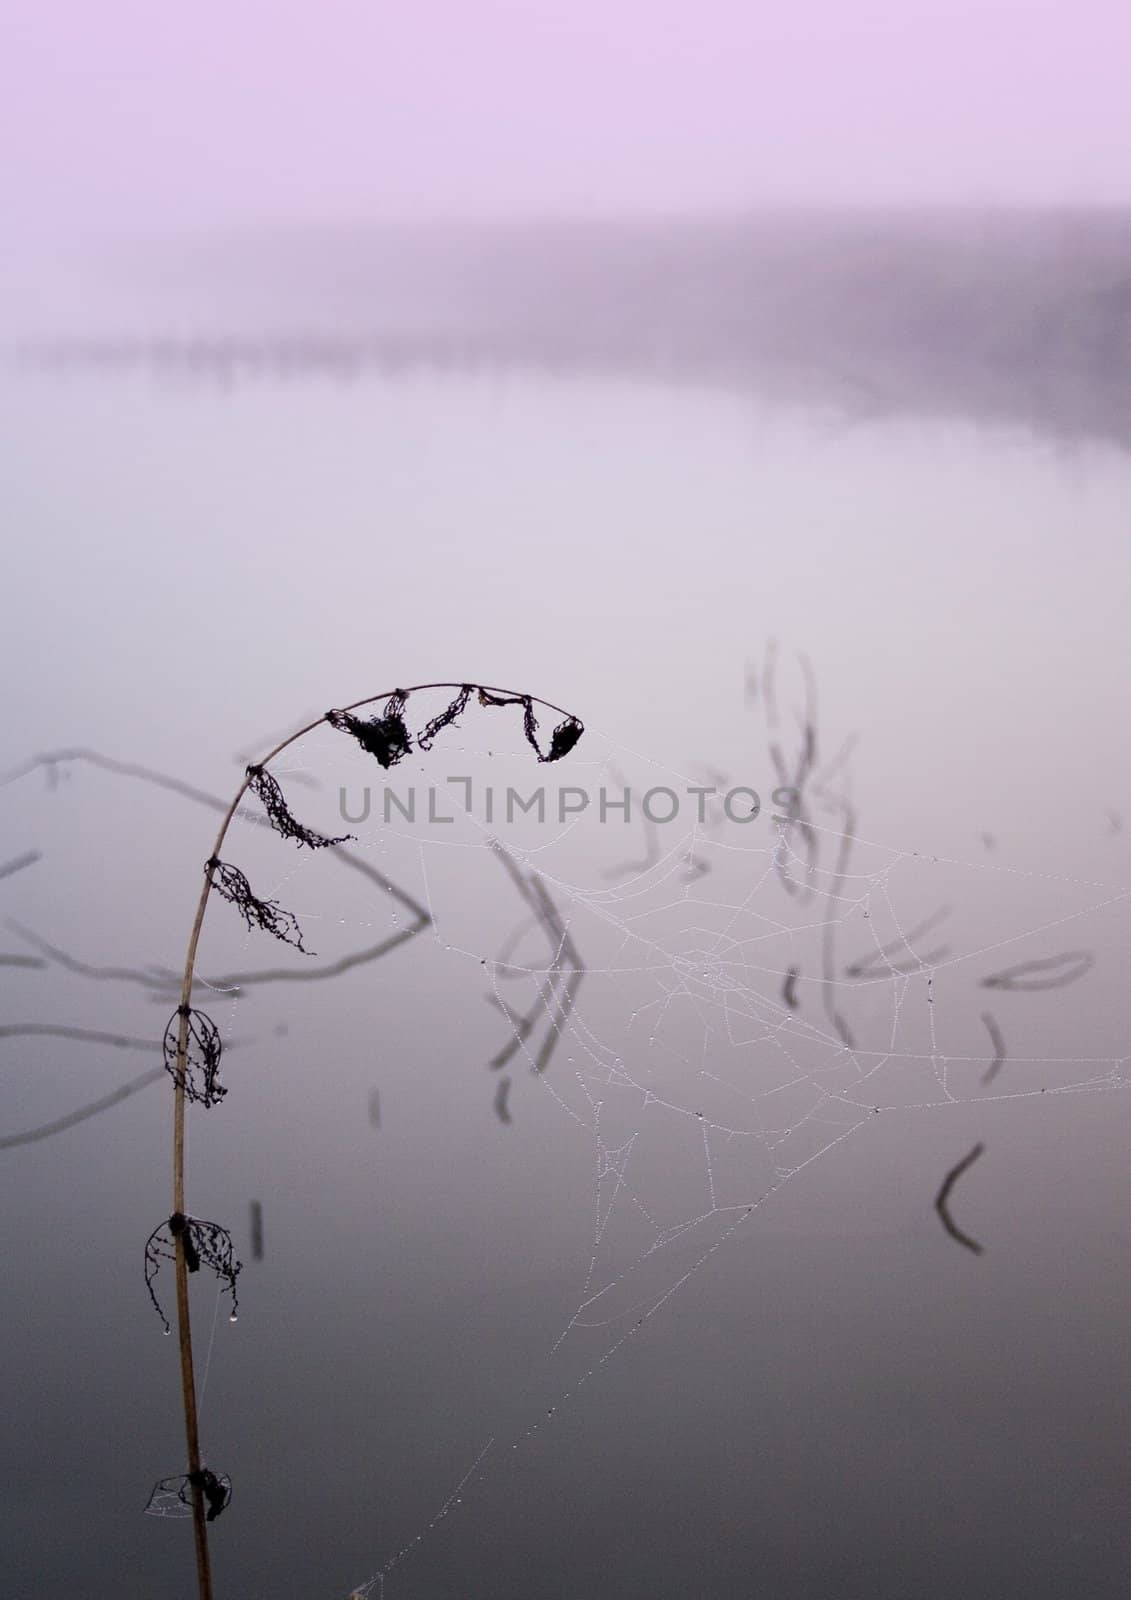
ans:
(718, 1013)
(704, 1008)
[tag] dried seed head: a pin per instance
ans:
(230, 882)
(204, 1244)
(385, 737)
(201, 1058)
(563, 738)
(172, 1496)
(216, 1491)
(444, 719)
(265, 787)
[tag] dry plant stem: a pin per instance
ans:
(188, 1384)
(184, 1326)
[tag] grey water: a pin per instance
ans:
(841, 1400)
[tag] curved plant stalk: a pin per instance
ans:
(563, 740)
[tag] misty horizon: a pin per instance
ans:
(1021, 318)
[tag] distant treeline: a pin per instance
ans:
(1015, 317)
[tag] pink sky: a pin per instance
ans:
(130, 113)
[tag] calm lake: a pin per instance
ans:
(673, 1313)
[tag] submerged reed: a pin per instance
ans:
(192, 1041)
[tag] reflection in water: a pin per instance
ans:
(756, 986)
(106, 1102)
(18, 863)
(799, 837)
(15, 1030)
(1053, 972)
(165, 981)
(555, 998)
(879, 963)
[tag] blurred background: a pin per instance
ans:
(755, 387)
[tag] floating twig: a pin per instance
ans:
(943, 1196)
(829, 931)
(998, 1043)
(564, 975)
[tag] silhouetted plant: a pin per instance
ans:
(264, 786)
(201, 1244)
(269, 915)
(199, 1064)
(170, 1497)
(192, 1044)
(563, 738)
(217, 1492)
(385, 737)
(444, 719)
